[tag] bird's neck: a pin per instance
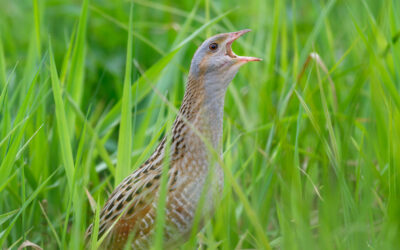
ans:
(202, 110)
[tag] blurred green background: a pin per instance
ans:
(311, 134)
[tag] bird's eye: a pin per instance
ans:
(213, 46)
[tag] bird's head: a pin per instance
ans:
(214, 61)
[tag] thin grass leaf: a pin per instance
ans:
(6, 216)
(75, 84)
(99, 144)
(36, 13)
(125, 130)
(8, 161)
(3, 76)
(96, 223)
(4, 233)
(163, 190)
(126, 27)
(52, 229)
(62, 125)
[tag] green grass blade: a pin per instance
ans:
(7, 163)
(62, 125)
(6, 216)
(4, 234)
(139, 89)
(99, 144)
(95, 231)
(75, 82)
(36, 17)
(163, 191)
(52, 229)
(3, 76)
(125, 130)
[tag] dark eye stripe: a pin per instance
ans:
(213, 46)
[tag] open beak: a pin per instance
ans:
(232, 37)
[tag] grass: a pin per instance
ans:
(311, 148)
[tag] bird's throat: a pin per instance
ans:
(202, 111)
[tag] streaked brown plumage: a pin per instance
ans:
(133, 204)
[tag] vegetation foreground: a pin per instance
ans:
(311, 134)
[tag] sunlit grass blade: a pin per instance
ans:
(3, 76)
(62, 125)
(7, 163)
(163, 192)
(67, 57)
(125, 129)
(6, 216)
(75, 81)
(139, 90)
(99, 144)
(37, 16)
(95, 231)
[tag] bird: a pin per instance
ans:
(129, 214)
